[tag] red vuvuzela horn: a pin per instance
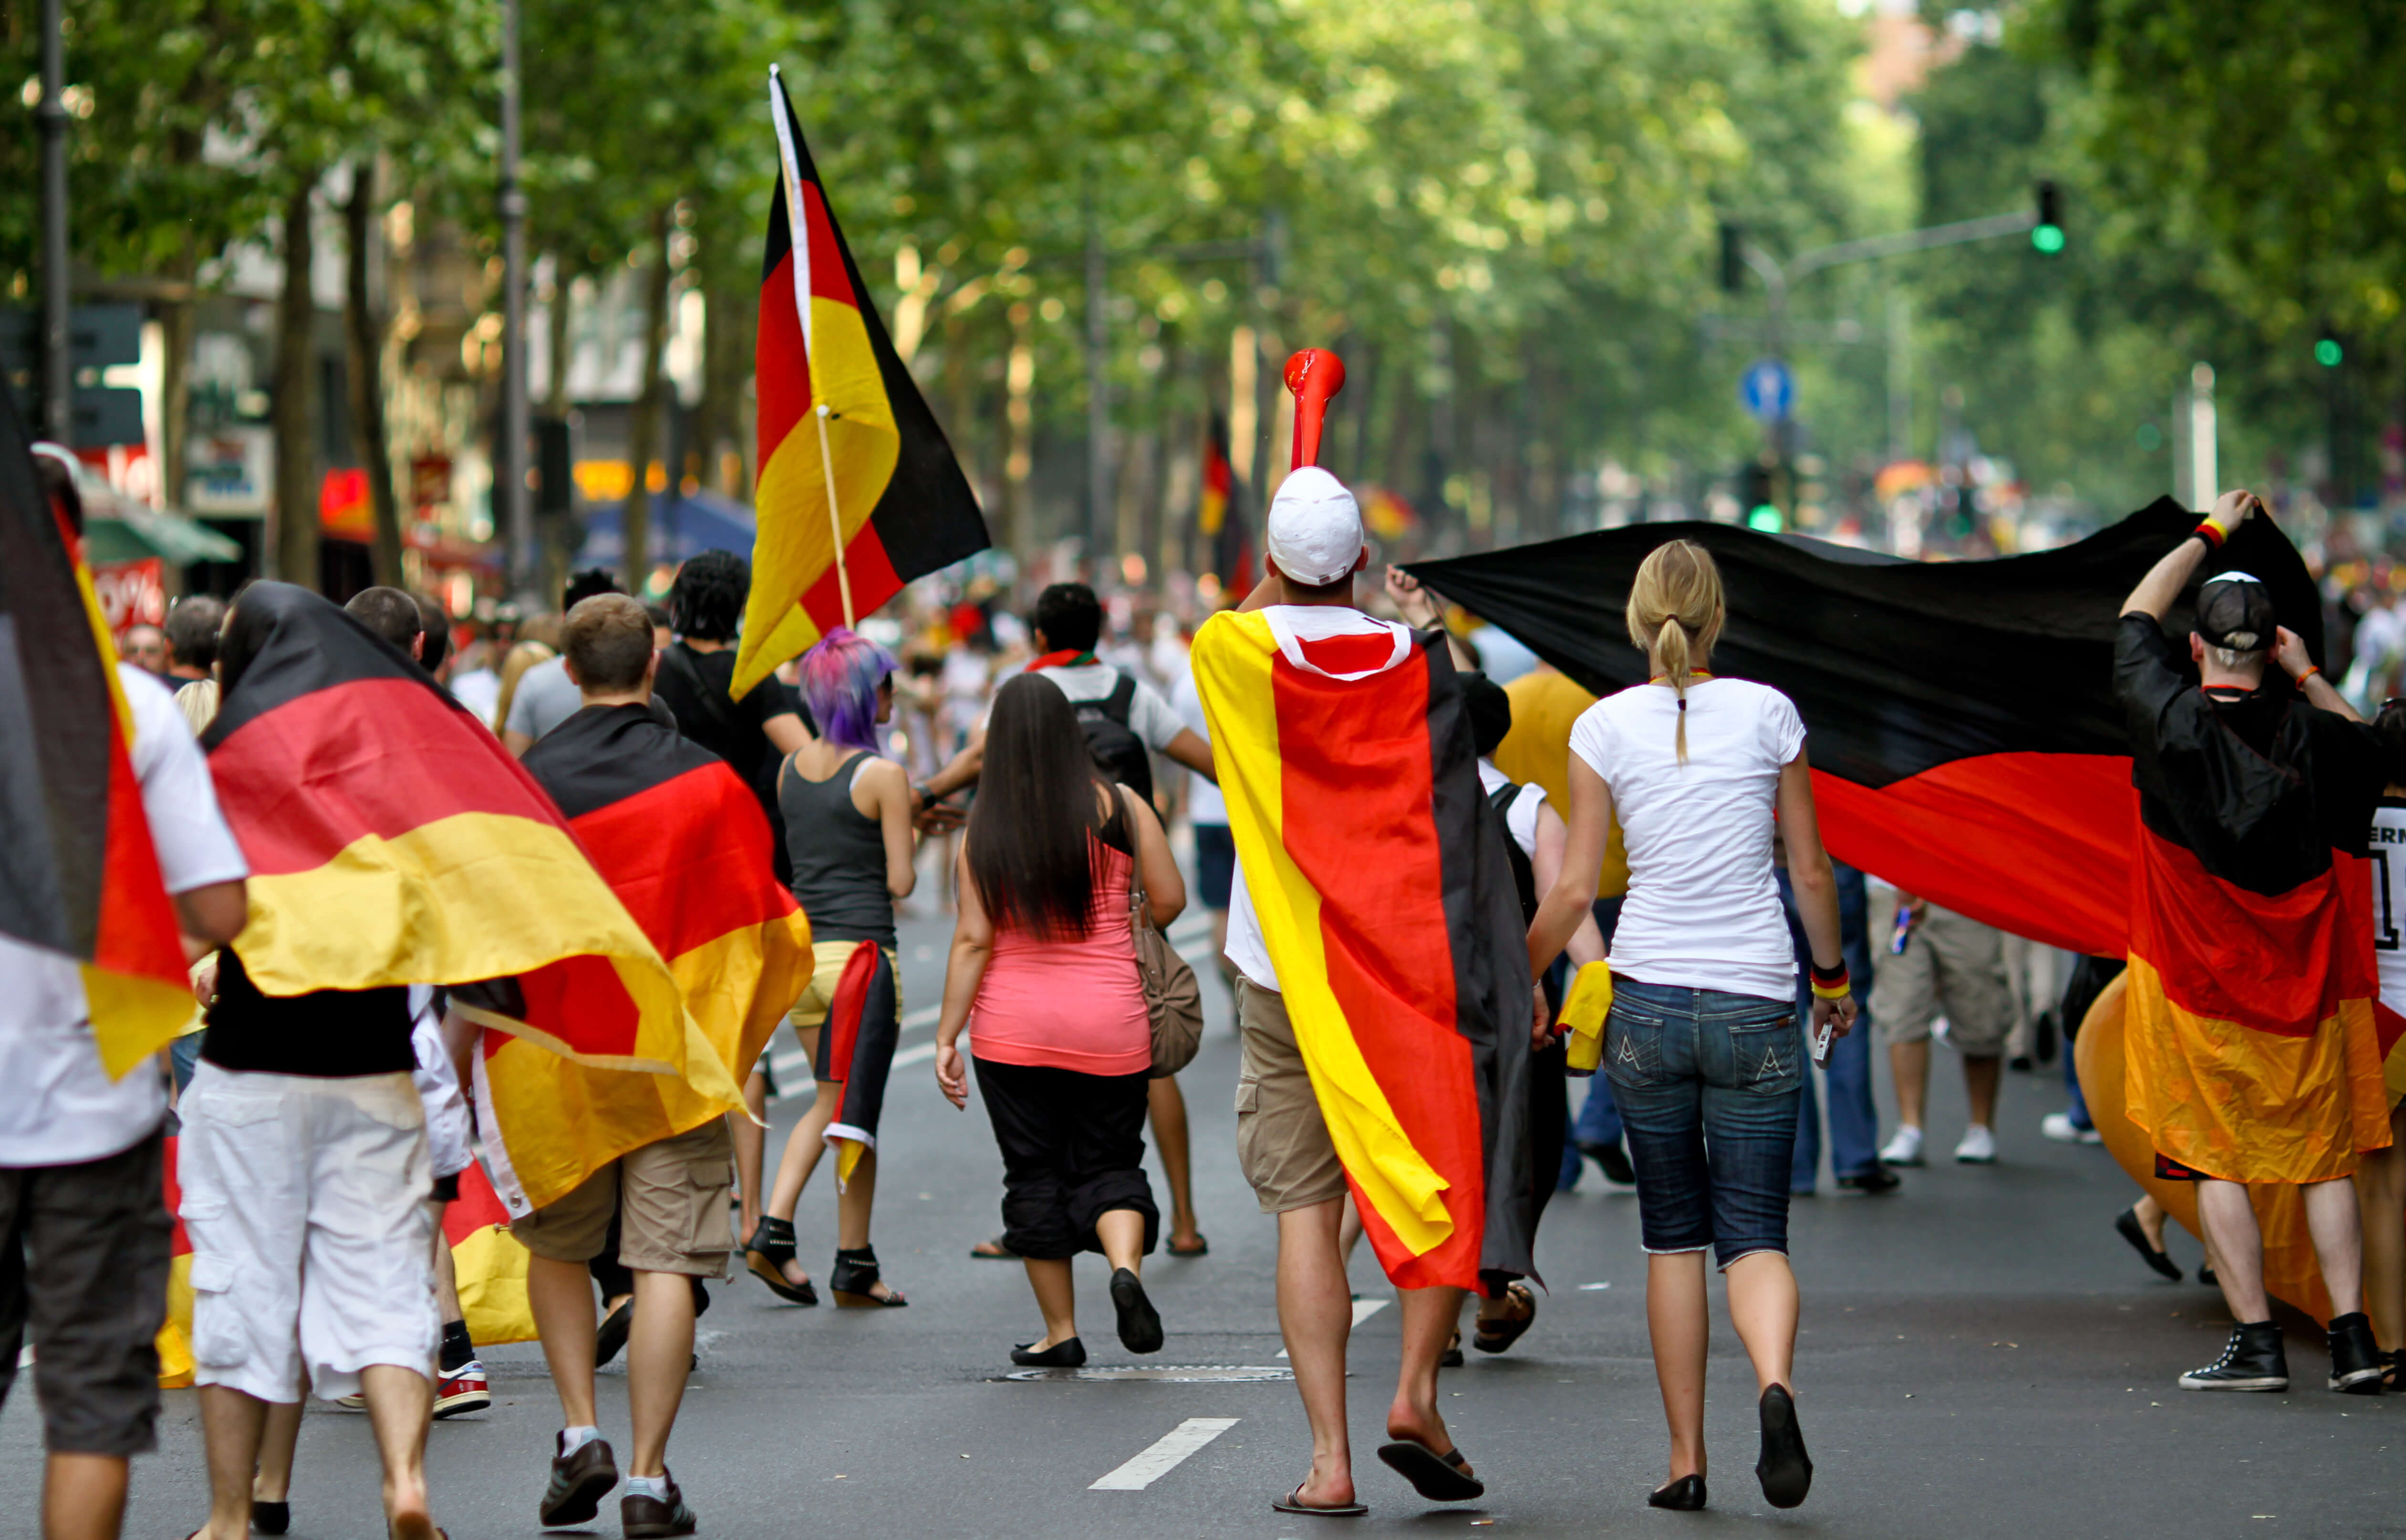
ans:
(1313, 375)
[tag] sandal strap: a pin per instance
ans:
(772, 1238)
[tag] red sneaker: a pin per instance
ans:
(463, 1391)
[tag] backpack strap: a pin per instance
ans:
(1121, 702)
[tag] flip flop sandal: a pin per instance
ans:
(993, 1250)
(1294, 1503)
(1495, 1336)
(767, 1253)
(1201, 1248)
(1438, 1477)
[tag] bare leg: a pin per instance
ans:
(853, 1207)
(1121, 1233)
(2381, 1191)
(659, 1353)
(1678, 1317)
(1763, 1307)
(1349, 1234)
(2237, 1245)
(83, 1497)
(560, 1296)
(2338, 1233)
(446, 1274)
(400, 1406)
(751, 1145)
(1979, 1085)
(1429, 1317)
(278, 1439)
(1056, 1297)
(1220, 949)
(1315, 1315)
(231, 1425)
(1908, 1066)
(2150, 1215)
(1168, 1106)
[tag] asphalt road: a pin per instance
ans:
(1981, 1356)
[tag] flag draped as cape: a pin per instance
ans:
(905, 508)
(78, 873)
(685, 846)
(1387, 905)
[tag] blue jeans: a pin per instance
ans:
(1854, 1122)
(1708, 1085)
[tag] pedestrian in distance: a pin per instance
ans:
(1702, 1042)
(1043, 974)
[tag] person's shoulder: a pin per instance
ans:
(1752, 693)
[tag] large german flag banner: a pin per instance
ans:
(842, 423)
(685, 846)
(78, 873)
(1385, 900)
(393, 840)
(1228, 534)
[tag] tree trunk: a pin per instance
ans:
(178, 319)
(364, 328)
(556, 319)
(296, 415)
(644, 432)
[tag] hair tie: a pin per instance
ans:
(1683, 702)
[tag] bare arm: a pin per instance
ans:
(963, 768)
(1194, 751)
(1420, 607)
(963, 970)
(1546, 864)
(1816, 884)
(786, 731)
(1570, 896)
(1165, 889)
(516, 743)
(888, 788)
(211, 915)
(2164, 581)
(2289, 651)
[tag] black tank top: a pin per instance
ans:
(839, 856)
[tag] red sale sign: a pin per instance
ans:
(132, 593)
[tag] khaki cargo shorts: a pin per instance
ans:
(1282, 1142)
(670, 1199)
(1952, 966)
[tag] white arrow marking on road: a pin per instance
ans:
(1167, 1454)
(1362, 1311)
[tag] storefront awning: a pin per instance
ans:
(138, 532)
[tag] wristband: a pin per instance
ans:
(1831, 983)
(2312, 670)
(2212, 533)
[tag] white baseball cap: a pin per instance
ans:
(1315, 528)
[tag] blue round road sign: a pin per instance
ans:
(1767, 391)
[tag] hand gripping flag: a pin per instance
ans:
(78, 873)
(685, 846)
(393, 840)
(1387, 904)
(859, 492)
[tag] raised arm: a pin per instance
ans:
(2165, 580)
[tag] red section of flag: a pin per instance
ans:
(784, 386)
(137, 935)
(874, 582)
(842, 1033)
(687, 856)
(828, 280)
(2277, 965)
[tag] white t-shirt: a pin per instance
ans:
(2388, 852)
(1204, 802)
(480, 691)
(59, 1107)
(1520, 814)
(1149, 718)
(1703, 911)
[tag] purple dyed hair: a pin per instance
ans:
(839, 679)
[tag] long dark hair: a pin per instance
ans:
(1028, 836)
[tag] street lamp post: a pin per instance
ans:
(516, 510)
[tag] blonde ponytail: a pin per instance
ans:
(1675, 616)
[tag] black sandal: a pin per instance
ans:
(1495, 1335)
(767, 1253)
(2126, 1225)
(853, 1279)
(1440, 1477)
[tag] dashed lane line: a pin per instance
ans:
(1167, 1453)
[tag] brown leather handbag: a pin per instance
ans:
(1172, 998)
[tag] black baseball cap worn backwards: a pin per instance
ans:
(2235, 611)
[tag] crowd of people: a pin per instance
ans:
(1666, 833)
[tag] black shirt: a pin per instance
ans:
(694, 686)
(328, 1033)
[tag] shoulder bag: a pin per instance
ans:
(1172, 998)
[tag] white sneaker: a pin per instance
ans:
(2060, 1128)
(1979, 1146)
(1903, 1149)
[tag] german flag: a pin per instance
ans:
(1228, 534)
(393, 840)
(1352, 786)
(841, 422)
(78, 873)
(685, 846)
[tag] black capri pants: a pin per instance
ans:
(1072, 1151)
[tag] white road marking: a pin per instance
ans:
(1362, 1311)
(1167, 1452)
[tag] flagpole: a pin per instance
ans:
(835, 520)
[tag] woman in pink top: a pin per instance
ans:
(1044, 972)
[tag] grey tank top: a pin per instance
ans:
(839, 856)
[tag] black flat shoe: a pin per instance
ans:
(1139, 1323)
(1687, 1494)
(2126, 1225)
(1784, 1471)
(271, 1517)
(1069, 1354)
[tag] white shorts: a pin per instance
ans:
(304, 1199)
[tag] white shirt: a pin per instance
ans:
(1204, 802)
(1149, 718)
(57, 1105)
(2388, 852)
(480, 691)
(1704, 910)
(1520, 814)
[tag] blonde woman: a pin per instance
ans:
(1703, 1043)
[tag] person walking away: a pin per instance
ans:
(1042, 972)
(1702, 1042)
(2250, 1037)
(1940, 964)
(2381, 1179)
(1854, 1121)
(84, 1236)
(847, 814)
(545, 696)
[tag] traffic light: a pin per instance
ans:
(1759, 498)
(2328, 352)
(1732, 258)
(2047, 234)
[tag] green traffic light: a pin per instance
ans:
(2327, 353)
(2047, 238)
(1766, 517)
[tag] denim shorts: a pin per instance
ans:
(1708, 1085)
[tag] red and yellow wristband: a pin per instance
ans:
(2212, 533)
